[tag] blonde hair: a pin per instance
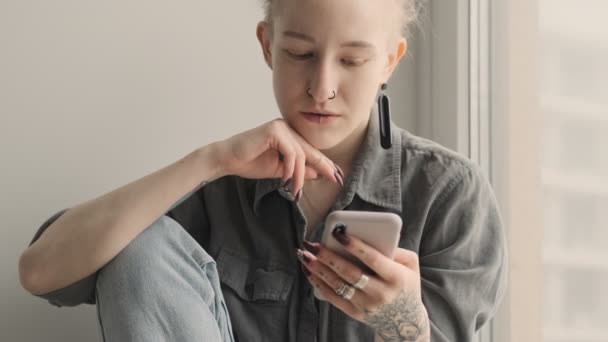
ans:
(409, 16)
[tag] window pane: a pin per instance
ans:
(574, 101)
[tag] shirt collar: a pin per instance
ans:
(375, 176)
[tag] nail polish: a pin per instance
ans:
(287, 185)
(340, 171)
(303, 257)
(311, 248)
(339, 233)
(339, 179)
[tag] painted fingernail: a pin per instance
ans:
(340, 171)
(339, 233)
(298, 196)
(311, 248)
(339, 179)
(303, 257)
(287, 185)
(305, 270)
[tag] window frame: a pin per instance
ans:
(475, 73)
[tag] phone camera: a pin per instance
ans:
(340, 225)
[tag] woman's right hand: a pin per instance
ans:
(275, 150)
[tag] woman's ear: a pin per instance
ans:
(264, 34)
(394, 56)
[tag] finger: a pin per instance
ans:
(344, 268)
(299, 170)
(330, 277)
(270, 158)
(318, 161)
(407, 258)
(279, 139)
(289, 159)
(385, 268)
(346, 306)
(311, 173)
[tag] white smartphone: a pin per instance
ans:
(377, 229)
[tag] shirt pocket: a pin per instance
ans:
(257, 295)
(254, 280)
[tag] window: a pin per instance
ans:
(518, 86)
(574, 168)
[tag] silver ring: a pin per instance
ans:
(350, 293)
(342, 289)
(333, 96)
(345, 291)
(360, 284)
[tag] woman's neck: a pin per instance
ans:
(320, 195)
(344, 153)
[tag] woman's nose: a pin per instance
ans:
(323, 85)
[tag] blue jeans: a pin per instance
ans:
(162, 287)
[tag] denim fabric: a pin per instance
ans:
(162, 287)
(251, 229)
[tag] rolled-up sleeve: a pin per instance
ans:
(80, 292)
(462, 256)
(83, 291)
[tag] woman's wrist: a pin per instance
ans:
(207, 162)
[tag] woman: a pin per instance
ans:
(205, 248)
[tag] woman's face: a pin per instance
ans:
(330, 57)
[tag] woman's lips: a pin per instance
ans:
(319, 118)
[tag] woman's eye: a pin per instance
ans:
(299, 55)
(353, 61)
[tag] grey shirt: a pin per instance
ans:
(450, 218)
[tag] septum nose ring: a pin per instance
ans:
(333, 95)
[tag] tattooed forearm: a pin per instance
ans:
(403, 320)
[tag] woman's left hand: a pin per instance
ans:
(390, 301)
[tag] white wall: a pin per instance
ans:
(96, 94)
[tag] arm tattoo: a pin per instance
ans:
(400, 321)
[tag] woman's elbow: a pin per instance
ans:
(29, 276)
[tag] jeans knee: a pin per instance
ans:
(162, 247)
(163, 282)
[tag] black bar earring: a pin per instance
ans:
(384, 114)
